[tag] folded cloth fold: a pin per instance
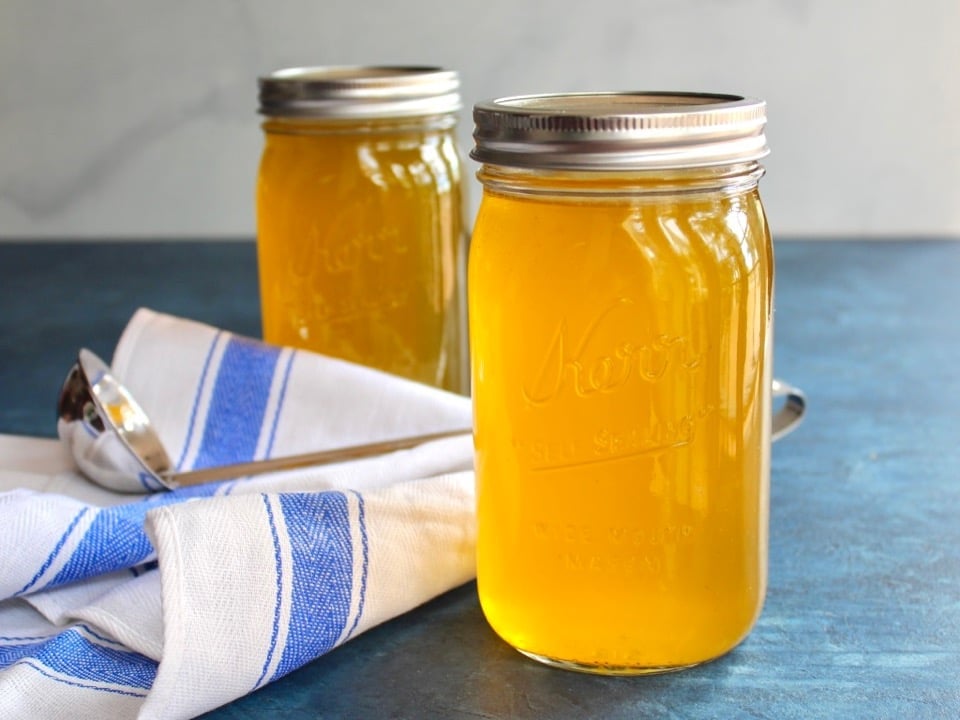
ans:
(150, 606)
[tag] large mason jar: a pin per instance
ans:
(620, 303)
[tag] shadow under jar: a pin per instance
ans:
(359, 219)
(620, 303)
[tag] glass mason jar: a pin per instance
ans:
(359, 218)
(620, 304)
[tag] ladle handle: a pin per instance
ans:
(290, 462)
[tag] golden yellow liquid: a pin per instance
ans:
(359, 241)
(621, 383)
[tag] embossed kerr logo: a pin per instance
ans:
(604, 357)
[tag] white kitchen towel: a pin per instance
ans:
(150, 606)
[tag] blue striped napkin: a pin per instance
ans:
(148, 606)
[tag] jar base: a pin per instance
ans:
(611, 669)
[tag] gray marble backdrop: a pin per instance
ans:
(137, 119)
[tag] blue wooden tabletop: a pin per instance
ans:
(862, 618)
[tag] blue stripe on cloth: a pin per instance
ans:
(84, 685)
(238, 404)
(102, 638)
(116, 539)
(318, 526)
(196, 400)
(9, 654)
(53, 553)
(76, 660)
(23, 638)
(283, 396)
(13, 647)
(278, 564)
(362, 520)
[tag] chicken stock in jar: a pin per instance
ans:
(620, 305)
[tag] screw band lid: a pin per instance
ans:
(619, 130)
(357, 92)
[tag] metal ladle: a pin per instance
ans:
(95, 409)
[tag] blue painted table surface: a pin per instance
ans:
(862, 618)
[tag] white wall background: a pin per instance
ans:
(137, 119)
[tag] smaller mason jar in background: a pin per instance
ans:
(360, 221)
(620, 303)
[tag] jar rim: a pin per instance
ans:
(359, 92)
(619, 130)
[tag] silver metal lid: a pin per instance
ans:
(359, 92)
(619, 131)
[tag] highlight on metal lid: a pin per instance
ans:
(356, 92)
(619, 130)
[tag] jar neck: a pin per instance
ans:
(352, 126)
(724, 179)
